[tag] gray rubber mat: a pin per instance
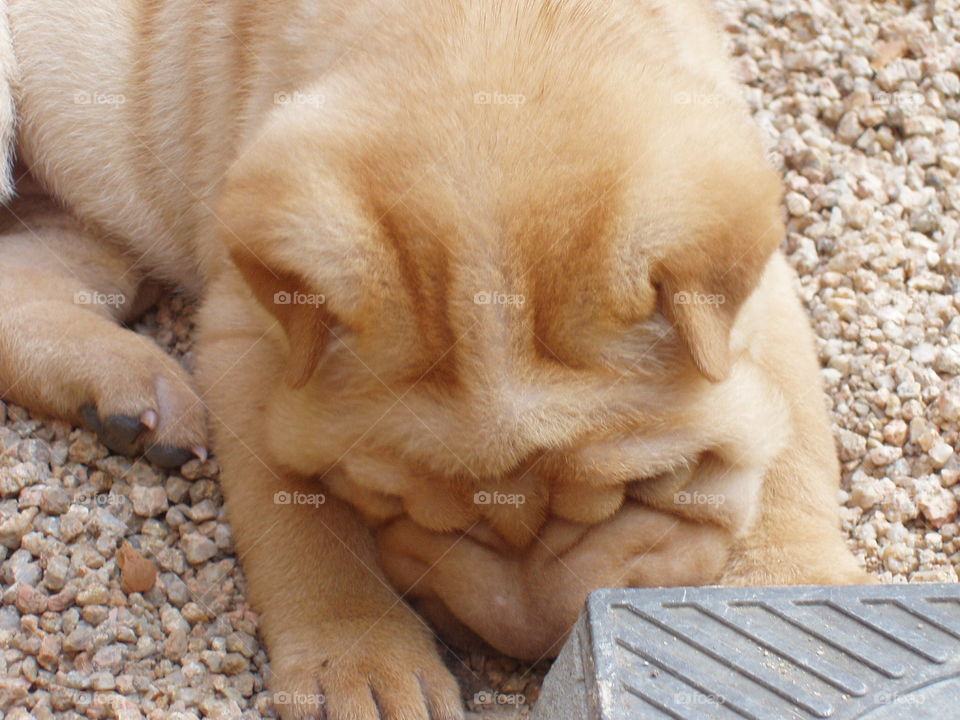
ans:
(879, 652)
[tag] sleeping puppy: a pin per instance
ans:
(494, 313)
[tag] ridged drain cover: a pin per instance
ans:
(874, 653)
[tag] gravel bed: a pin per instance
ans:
(861, 105)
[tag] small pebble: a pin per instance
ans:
(137, 573)
(148, 501)
(198, 548)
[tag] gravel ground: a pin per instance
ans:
(861, 104)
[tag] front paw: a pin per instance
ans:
(376, 669)
(829, 564)
(145, 404)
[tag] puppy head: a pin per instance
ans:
(455, 266)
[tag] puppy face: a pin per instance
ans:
(463, 286)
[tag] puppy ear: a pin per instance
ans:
(300, 311)
(703, 287)
(703, 316)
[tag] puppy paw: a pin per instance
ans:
(832, 565)
(390, 672)
(145, 404)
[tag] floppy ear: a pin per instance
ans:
(295, 305)
(703, 287)
(703, 313)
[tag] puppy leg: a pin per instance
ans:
(342, 645)
(797, 539)
(63, 351)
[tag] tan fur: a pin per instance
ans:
(544, 346)
(9, 82)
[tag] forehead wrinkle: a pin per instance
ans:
(423, 268)
(565, 255)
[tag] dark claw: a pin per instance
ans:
(91, 419)
(121, 434)
(168, 457)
